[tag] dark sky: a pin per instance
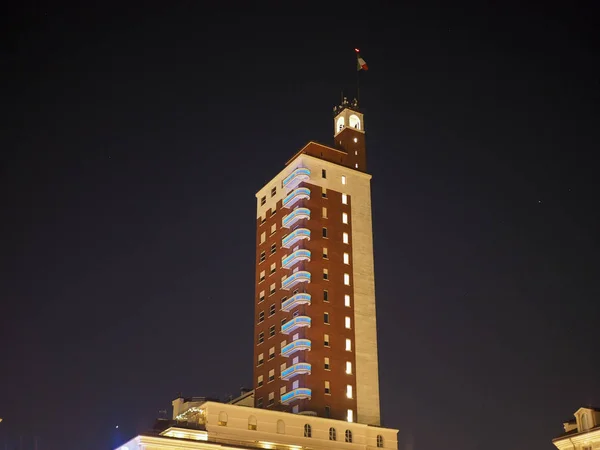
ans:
(134, 141)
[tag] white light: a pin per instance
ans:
(350, 416)
(349, 391)
(344, 199)
(355, 140)
(345, 218)
(348, 367)
(347, 300)
(343, 179)
(348, 345)
(347, 321)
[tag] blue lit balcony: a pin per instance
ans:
(295, 257)
(295, 323)
(295, 236)
(295, 346)
(297, 194)
(302, 276)
(296, 369)
(293, 217)
(295, 300)
(296, 394)
(296, 177)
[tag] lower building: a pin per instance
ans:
(582, 432)
(199, 423)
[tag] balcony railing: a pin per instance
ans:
(293, 217)
(296, 177)
(296, 195)
(302, 276)
(296, 346)
(296, 394)
(295, 323)
(295, 236)
(294, 257)
(295, 300)
(296, 369)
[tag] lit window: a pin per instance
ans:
(272, 289)
(356, 152)
(262, 276)
(271, 310)
(344, 218)
(259, 382)
(344, 199)
(345, 238)
(326, 317)
(347, 300)
(263, 200)
(325, 253)
(347, 279)
(325, 296)
(274, 268)
(261, 316)
(271, 375)
(261, 359)
(273, 228)
(348, 436)
(327, 388)
(348, 345)
(324, 213)
(323, 173)
(282, 390)
(355, 140)
(252, 424)
(343, 179)
(271, 398)
(295, 384)
(348, 367)
(326, 340)
(347, 322)
(261, 296)
(326, 364)
(349, 391)
(346, 258)
(324, 232)
(356, 165)
(323, 192)
(263, 237)
(379, 441)
(273, 191)
(325, 274)
(261, 337)
(272, 353)
(350, 416)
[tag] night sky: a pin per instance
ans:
(133, 142)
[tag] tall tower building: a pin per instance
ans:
(315, 340)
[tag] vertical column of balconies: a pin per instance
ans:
(298, 255)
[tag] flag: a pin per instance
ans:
(360, 63)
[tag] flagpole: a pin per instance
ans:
(357, 79)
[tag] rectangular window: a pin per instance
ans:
(326, 340)
(283, 299)
(296, 360)
(262, 256)
(323, 192)
(271, 309)
(343, 179)
(282, 367)
(350, 416)
(346, 258)
(261, 337)
(323, 173)
(347, 300)
(263, 200)
(259, 403)
(282, 390)
(347, 322)
(325, 254)
(262, 276)
(271, 375)
(326, 364)
(324, 232)
(263, 219)
(261, 359)
(327, 388)
(263, 237)
(349, 391)
(261, 316)
(345, 218)
(325, 296)
(273, 268)
(327, 411)
(272, 353)
(283, 321)
(273, 191)
(344, 199)
(324, 213)
(345, 238)
(348, 345)
(273, 248)
(272, 289)
(325, 274)
(326, 318)
(348, 367)
(347, 279)
(261, 296)
(295, 384)
(356, 167)
(273, 228)
(259, 381)
(272, 331)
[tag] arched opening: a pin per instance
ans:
(223, 419)
(354, 122)
(379, 441)
(332, 434)
(280, 427)
(348, 436)
(307, 430)
(339, 126)
(252, 423)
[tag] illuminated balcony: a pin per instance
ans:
(296, 195)
(295, 236)
(295, 300)
(295, 257)
(296, 177)
(302, 276)
(296, 394)
(295, 323)
(296, 346)
(293, 217)
(296, 369)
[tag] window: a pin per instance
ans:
(326, 363)
(263, 200)
(325, 296)
(324, 232)
(271, 398)
(348, 345)
(327, 411)
(283, 299)
(273, 211)
(324, 213)
(325, 253)
(349, 391)
(343, 179)
(345, 218)
(326, 318)
(332, 434)
(263, 237)
(344, 199)
(261, 359)
(262, 276)
(355, 141)
(273, 248)
(323, 192)
(273, 191)
(356, 166)
(261, 337)
(295, 384)
(273, 268)
(346, 258)
(347, 300)
(259, 402)
(327, 388)
(325, 274)
(252, 424)
(281, 369)
(262, 256)
(307, 430)
(348, 367)
(323, 173)
(283, 321)
(271, 309)
(345, 238)
(326, 340)
(272, 289)
(379, 441)
(348, 436)
(223, 419)
(272, 353)
(272, 331)
(347, 322)
(261, 296)
(261, 316)
(282, 389)
(347, 279)
(350, 416)
(259, 381)
(280, 427)
(271, 375)
(273, 228)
